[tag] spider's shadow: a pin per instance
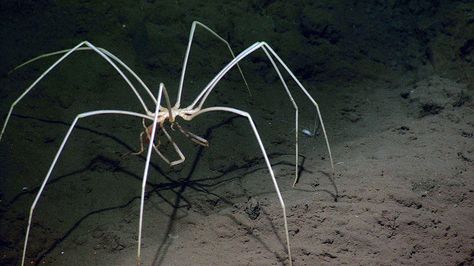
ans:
(177, 187)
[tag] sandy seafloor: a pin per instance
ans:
(394, 81)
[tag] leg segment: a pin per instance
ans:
(147, 132)
(45, 181)
(201, 98)
(156, 146)
(81, 46)
(142, 135)
(267, 162)
(176, 148)
(265, 45)
(171, 119)
(193, 137)
(145, 173)
(188, 49)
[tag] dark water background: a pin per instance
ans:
(330, 46)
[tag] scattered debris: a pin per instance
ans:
(253, 208)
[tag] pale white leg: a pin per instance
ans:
(76, 48)
(186, 56)
(168, 104)
(201, 98)
(176, 148)
(295, 106)
(193, 137)
(156, 146)
(86, 48)
(267, 161)
(171, 120)
(310, 98)
(157, 150)
(145, 172)
(205, 92)
(40, 191)
(162, 156)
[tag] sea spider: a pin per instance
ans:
(169, 113)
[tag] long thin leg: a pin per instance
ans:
(40, 191)
(156, 146)
(86, 48)
(295, 106)
(290, 96)
(204, 93)
(193, 137)
(142, 135)
(145, 172)
(201, 98)
(188, 49)
(168, 104)
(265, 45)
(147, 132)
(69, 52)
(267, 161)
(171, 119)
(176, 148)
(142, 147)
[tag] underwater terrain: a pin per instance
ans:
(394, 81)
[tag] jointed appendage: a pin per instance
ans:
(193, 137)
(270, 53)
(164, 117)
